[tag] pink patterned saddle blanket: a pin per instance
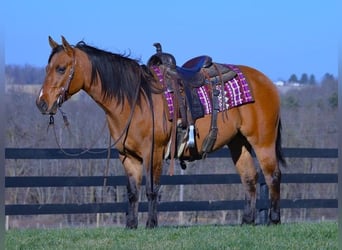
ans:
(236, 92)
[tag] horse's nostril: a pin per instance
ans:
(42, 106)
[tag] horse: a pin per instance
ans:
(138, 119)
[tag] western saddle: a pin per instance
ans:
(183, 82)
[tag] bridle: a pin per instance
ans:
(63, 96)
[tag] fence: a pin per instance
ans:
(74, 181)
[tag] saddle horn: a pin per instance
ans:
(158, 47)
(161, 58)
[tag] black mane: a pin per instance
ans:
(120, 75)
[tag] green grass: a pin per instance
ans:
(287, 236)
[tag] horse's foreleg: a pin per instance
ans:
(133, 202)
(243, 161)
(152, 193)
(133, 170)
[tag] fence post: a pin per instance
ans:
(263, 210)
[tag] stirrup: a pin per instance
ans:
(191, 139)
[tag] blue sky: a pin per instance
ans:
(278, 38)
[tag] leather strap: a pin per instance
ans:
(210, 139)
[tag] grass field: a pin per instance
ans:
(287, 236)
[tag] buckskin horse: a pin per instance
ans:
(144, 124)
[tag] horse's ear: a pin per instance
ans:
(52, 43)
(68, 49)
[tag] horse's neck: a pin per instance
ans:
(110, 106)
(94, 89)
(116, 115)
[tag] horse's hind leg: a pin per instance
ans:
(265, 151)
(241, 154)
(270, 168)
(133, 170)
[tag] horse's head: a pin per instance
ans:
(60, 82)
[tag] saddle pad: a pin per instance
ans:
(236, 92)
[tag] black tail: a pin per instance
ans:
(279, 152)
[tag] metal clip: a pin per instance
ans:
(52, 120)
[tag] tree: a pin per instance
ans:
(293, 78)
(328, 79)
(304, 79)
(27, 74)
(312, 80)
(333, 100)
(290, 102)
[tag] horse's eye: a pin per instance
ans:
(60, 69)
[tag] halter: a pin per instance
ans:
(63, 96)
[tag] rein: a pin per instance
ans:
(66, 123)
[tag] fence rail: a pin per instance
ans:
(101, 153)
(76, 181)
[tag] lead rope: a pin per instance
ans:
(66, 123)
(105, 174)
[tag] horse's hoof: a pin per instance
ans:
(151, 225)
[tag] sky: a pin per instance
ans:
(279, 38)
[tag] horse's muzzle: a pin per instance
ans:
(44, 107)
